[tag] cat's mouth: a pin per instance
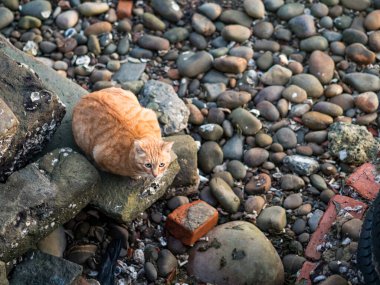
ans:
(150, 176)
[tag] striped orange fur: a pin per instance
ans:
(121, 137)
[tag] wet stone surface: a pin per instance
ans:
(30, 113)
(277, 108)
(37, 199)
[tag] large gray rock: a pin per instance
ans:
(236, 253)
(123, 198)
(40, 197)
(29, 114)
(40, 268)
(187, 179)
(352, 143)
(171, 110)
(67, 91)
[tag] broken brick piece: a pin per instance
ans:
(191, 221)
(364, 182)
(124, 9)
(338, 205)
(304, 275)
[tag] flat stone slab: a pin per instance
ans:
(40, 197)
(129, 71)
(40, 268)
(67, 91)
(29, 115)
(123, 198)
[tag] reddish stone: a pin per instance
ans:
(65, 5)
(124, 9)
(191, 221)
(304, 276)
(298, 120)
(98, 28)
(351, 206)
(363, 181)
(373, 131)
(325, 143)
(259, 184)
(173, 74)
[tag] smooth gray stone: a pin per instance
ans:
(38, 8)
(6, 17)
(129, 72)
(168, 9)
(363, 82)
(214, 76)
(233, 149)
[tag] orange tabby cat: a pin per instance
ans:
(122, 137)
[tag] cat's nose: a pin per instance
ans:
(154, 172)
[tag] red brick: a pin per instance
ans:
(191, 221)
(328, 219)
(304, 276)
(124, 9)
(363, 181)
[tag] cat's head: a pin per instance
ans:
(151, 157)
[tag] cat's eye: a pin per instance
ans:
(148, 165)
(162, 164)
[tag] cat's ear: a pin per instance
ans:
(137, 145)
(167, 146)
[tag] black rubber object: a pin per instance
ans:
(368, 254)
(107, 268)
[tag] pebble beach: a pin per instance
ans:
(282, 101)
